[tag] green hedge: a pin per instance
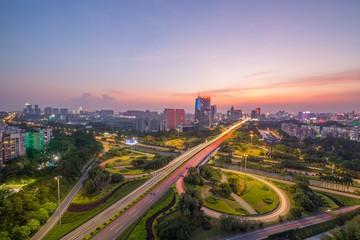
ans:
(211, 200)
(263, 187)
(268, 200)
(241, 210)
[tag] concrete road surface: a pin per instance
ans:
(280, 227)
(116, 227)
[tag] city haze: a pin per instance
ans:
(124, 55)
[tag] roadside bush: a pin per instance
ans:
(176, 229)
(206, 225)
(116, 178)
(295, 212)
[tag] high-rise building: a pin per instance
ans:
(172, 118)
(48, 111)
(147, 125)
(35, 140)
(56, 111)
(106, 112)
(256, 113)
(64, 111)
(48, 136)
(37, 110)
(202, 112)
(179, 117)
(213, 113)
(12, 141)
(305, 116)
(253, 114)
(28, 109)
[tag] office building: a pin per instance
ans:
(256, 113)
(213, 114)
(48, 111)
(64, 111)
(106, 112)
(56, 111)
(37, 110)
(172, 118)
(202, 112)
(147, 125)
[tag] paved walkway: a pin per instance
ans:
(241, 201)
(244, 204)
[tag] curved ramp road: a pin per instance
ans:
(111, 231)
(281, 210)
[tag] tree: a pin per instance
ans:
(20, 233)
(42, 215)
(116, 178)
(33, 225)
(174, 229)
(225, 189)
(50, 207)
(190, 204)
(228, 222)
(295, 212)
(194, 177)
(5, 235)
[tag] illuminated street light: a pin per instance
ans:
(251, 136)
(58, 181)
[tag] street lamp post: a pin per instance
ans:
(245, 172)
(58, 182)
(251, 136)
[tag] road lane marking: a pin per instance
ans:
(113, 226)
(118, 228)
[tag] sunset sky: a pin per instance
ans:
(120, 55)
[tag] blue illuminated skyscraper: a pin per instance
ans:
(202, 112)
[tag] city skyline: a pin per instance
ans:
(155, 55)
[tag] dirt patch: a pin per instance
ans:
(334, 200)
(88, 207)
(150, 221)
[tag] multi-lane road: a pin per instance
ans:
(195, 155)
(280, 227)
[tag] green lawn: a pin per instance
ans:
(347, 201)
(126, 171)
(255, 151)
(223, 205)
(81, 199)
(17, 184)
(255, 193)
(176, 143)
(70, 221)
(329, 203)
